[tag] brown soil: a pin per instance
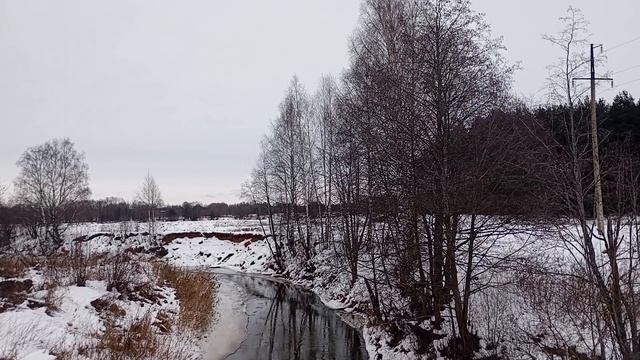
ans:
(105, 305)
(13, 292)
(237, 238)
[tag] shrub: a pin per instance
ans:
(79, 262)
(118, 271)
(56, 271)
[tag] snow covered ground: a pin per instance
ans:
(31, 329)
(77, 318)
(228, 225)
(246, 256)
(28, 332)
(191, 245)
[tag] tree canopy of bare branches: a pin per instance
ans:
(53, 179)
(398, 167)
(149, 195)
(608, 257)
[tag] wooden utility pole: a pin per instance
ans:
(594, 143)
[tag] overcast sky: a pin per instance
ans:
(185, 89)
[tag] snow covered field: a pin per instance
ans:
(229, 225)
(245, 256)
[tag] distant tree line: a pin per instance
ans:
(112, 209)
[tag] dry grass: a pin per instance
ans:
(195, 290)
(7, 355)
(21, 336)
(56, 270)
(80, 263)
(156, 335)
(72, 268)
(61, 352)
(12, 267)
(136, 340)
(148, 336)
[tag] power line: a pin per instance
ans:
(621, 84)
(628, 82)
(621, 45)
(625, 70)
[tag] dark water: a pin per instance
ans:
(286, 322)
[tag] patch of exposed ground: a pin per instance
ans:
(233, 237)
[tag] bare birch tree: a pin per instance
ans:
(325, 112)
(53, 178)
(260, 190)
(149, 195)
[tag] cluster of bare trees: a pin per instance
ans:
(416, 166)
(579, 283)
(115, 209)
(404, 167)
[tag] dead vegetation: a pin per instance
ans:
(118, 270)
(14, 289)
(130, 277)
(137, 339)
(53, 298)
(19, 336)
(73, 267)
(152, 336)
(12, 267)
(195, 289)
(80, 264)
(108, 307)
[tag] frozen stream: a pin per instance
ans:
(261, 318)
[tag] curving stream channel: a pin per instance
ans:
(262, 318)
